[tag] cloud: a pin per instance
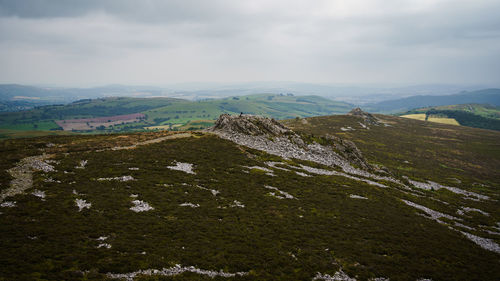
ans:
(124, 41)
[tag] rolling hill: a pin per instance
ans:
(486, 96)
(347, 197)
(167, 113)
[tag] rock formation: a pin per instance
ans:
(269, 135)
(368, 119)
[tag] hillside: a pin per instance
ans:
(164, 113)
(348, 197)
(473, 115)
(486, 96)
(14, 97)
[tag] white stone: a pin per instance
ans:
(104, 245)
(8, 204)
(238, 204)
(434, 215)
(484, 243)
(338, 276)
(187, 204)
(39, 193)
(283, 193)
(82, 164)
(354, 196)
(82, 204)
(172, 271)
(184, 167)
(122, 178)
(140, 206)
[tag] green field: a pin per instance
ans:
(472, 115)
(171, 112)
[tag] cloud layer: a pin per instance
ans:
(161, 42)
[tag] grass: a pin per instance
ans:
(324, 229)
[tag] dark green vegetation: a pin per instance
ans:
(167, 112)
(322, 230)
(438, 152)
(487, 96)
(473, 115)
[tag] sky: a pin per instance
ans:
(148, 42)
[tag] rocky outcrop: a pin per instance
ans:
(250, 125)
(368, 119)
(269, 135)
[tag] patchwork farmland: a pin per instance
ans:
(86, 124)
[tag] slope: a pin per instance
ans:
(164, 206)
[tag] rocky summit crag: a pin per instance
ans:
(368, 119)
(269, 135)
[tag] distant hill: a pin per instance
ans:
(170, 113)
(472, 115)
(486, 96)
(14, 97)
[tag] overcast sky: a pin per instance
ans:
(95, 42)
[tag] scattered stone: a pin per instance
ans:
(102, 238)
(8, 204)
(104, 245)
(140, 206)
(484, 243)
(213, 191)
(268, 135)
(346, 129)
(82, 204)
(335, 173)
(176, 270)
(184, 167)
(82, 164)
(364, 126)
(430, 185)
(187, 204)
(434, 215)
(258, 168)
(39, 193)
(464, 226)
(22, 174)
(133, 169)
(122, 178)
(354, 196)
(285, 194)
(464, 210)
(338, 276)
(134, 195)
(302, 174)
(49, 179)
(237, 203)
(275, 165)
(368, 119)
